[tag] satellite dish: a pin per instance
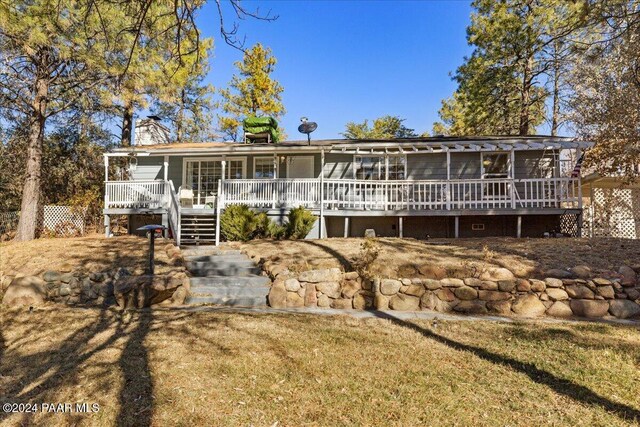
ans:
(307, 127)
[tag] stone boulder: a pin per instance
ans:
(415, 290)
(624, 309)
(581, 271)
(579, 292)
(430, 301)
(538, 285)
(471, 307)
(292, 285)
(350, 288)
(402, 302)
(51, 276)
(363, 300)
(496, 274)
(601, 281)
(489, 285)
(507, 285)
(25, 291)
(431, 284)
(452, 282)
(629, 276)
(557, 294)
(523, 285)
(310, 295)
(528, 306)
(323, 275)
(473, 282)
(552, 282)
(606, 292)
(380, 302)
(502, 308)
(465, 293)
(493, 295)
(589, 308)
(294, 300)
(330, 289)
(559, 309)
(445, 294)
(324, 301)
(342, 304)
(390, 286)
(560, 274)
(278, 295)
(633, 293)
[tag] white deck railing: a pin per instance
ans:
(136, 194)
(559, 193)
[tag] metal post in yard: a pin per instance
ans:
(151, 231)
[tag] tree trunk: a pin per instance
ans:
(555, 108)
(30, 207)
(180, 117)
(127, 124)
(526, 100)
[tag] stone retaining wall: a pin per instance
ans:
(494, 291)
(77, 286)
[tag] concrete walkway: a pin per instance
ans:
(401, 315)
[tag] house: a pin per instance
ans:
(417, 187)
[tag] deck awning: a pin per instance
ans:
(458, 146)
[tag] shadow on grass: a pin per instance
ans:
(559, 385)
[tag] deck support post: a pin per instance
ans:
(107, 225)
(165, 168)
(219, 201)
(579, 225)
(346, 226)
(400, 231)
(165, 222)
(321, 234)
(519, 227)
(456, 229)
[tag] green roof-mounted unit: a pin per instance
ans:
(260, 129)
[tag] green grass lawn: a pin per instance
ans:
(220, 368)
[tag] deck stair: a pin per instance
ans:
(225, 277)
(197, 228)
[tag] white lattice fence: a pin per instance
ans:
(8, 221)
(64, 220)
(613, 212)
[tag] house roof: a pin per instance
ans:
(363, 146)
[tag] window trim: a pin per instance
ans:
(509, 163)
(384, 164)
(313, 163)
(274, 161)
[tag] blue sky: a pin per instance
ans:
(341, 61)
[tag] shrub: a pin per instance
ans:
(238, 222)
(299, 223)
(369, 252)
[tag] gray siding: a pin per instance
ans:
(534, 164)
(427, 166)
(338, 166)
(148, 168)
(465, 166)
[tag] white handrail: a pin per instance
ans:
(174, 212)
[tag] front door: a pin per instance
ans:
(203, 176)
(300, 167)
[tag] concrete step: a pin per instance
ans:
(207, 250)
(231, 291)
(204, 269)
(230, 281)
(219, 258)
(228, 301)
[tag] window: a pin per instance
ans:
(264, 167)
(203, 175)
(380, 168)
(495, 165)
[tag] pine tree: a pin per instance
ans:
(385, 127)
(251, 93)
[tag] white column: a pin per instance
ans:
(166, 168)
(106, 168)
(321, 194)
(400, 231)
(456, 232)
(519, 229)
(346, 226)
(106, 194)
(448, 186)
